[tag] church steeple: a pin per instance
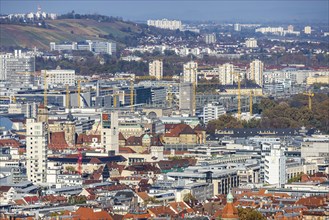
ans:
(230, 212)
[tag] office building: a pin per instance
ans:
(275, 166)
(186, 96)
(89, 45)
(256, 72)
(212, 111)
(59, 77)
(165, 24)
(226, 76)
(290, 28)
(251, 43)
(307, 30)
(315, 146)
(190, 71)
(110, 132)
(17, 68)
(36, 150)
(210, 38)
(237, 27)
(156, 69)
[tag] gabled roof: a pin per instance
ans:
(84, 138)
(85, 213)
(134, 141)
(199, 128)
(160, 211)
(57, 141)
(143, 195)
(179, 129)
(9, 143)
(5, 188)
(121, 137)
(126, 150)
(178, 207)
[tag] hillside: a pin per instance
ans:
(66, 30)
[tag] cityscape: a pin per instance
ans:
(138, 112)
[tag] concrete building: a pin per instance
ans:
(36, 150)
(212, 111)
(237, 27)
(59, 77)
(190, 71)
(317, 79)
(315, 146)
(307, 30)
(156, 69)
(18, 68)
(165, 24)
(210, 38)
(256, 72)
(89, 45)
(226, 76)
(186, 96)
(110, 132)
(251, 43)
(275, 166)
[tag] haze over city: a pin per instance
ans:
(244, 11)
(163, 110)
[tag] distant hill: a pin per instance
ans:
(67, 30)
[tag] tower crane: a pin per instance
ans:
(250, 102)
(310, 95)
(67, 99)
(239, 93)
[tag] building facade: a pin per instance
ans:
(275, 166)
(190, 71)
(212, 111)
(59, 77)
(36, 150)
(156, 69)
(165, 24)
(186, 105)
(256, 72)
(110, 132)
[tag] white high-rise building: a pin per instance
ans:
(36, 150)
(17, 68)
(190, 71)
(307, 30)
(210, 38)
(275, 166)
(212, 111)
(156, 69)
(251, 43)
(165, 24)
(110, 132)
(256, 72)
(59, 77)
(226, 76)
(237, 27)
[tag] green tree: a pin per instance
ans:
(250, 214)
(223, 122)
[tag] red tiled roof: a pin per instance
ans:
(134, 141)
(84, 138)
(5, 188)
(57, 141)
(126, 150)
(121, 137)
(179, 129)
(178, 207)
(31, 199)
(9, 143)
(159, 211)
(85, 213)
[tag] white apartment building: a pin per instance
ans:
(307, 30)
(210, 38)
(226, 76)
(165, 24)
(272, 30)
(89, 45)
(237, 27)
(190, 71)
(275, 166)
(251, 43)
(256, 72)
(110, 132)
(315, 146)
(59, 77)
(156, 69)
(17, 68)
(36, 150)
(212, 111)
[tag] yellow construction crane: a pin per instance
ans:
(239, 93)
(132, 95)
(250, 102)
(67, 96)
(310, 95)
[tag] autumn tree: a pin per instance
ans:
(223, 122)
(250, 214)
